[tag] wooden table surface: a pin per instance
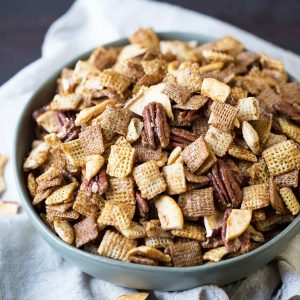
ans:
(23, 24)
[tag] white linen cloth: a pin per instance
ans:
(29, 268)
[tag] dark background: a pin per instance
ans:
(23, 24)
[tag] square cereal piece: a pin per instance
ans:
(282, 158)
(290, 179)
(188, 75)
(113, 80)
(218, 141)
(65, 102)
(215, 89)
(222, 116)
(85, 231)
(134, 231)
(195, 154)
(84, 206)
(200, 126)
(190, 231)
(291, 130)
(53, 215)
(62, 195)
(74, 152)
(149, 180)
(114, 245)
(91, 140)
(274, 139)
(263, 126)
(144, 153)
(177, 93)
(115, 119)
(120, 161)
(197, 203)
(248, 109)
(193, 103)
(158, 242)
(258, 172)
(186, 254)
(175, 178)
(208, 163)
(116, 214)
(255, 196)
(121, 190)
(215, 254)
(238, 93)
(241, 153)
(290, 200)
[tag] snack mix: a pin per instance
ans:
(168, 153)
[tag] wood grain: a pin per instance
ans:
(23, 24)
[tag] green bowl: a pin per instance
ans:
(128, 274)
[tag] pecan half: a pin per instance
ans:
(142, 205)
(226, 183)
(156, 127)
(289, 110)
(181, 137)
(98, 184)
(68, 130)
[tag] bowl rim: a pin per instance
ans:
(69, 249)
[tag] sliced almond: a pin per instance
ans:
(64, 231)
(135, 129)
(174, 155)
(49, 121)
(237, 222)
(37, 157)
(251, 137)
(169, 213)
(92, 166)
(212, 222)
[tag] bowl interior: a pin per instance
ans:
(24, 137)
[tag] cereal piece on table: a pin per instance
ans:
(134, 130)
(65, 102)
(290, 200)
(241, 153)
(291, 130)
(215, 254)
(116, 214)
(114, 245)
(89, 113)
(255, 196)
(74, 152)
(149, 180)
(177, 93)
(135, 296)
(248, 109)
(191, 231)
(37, 157)
(84, 206)
(115, 81)
(31, 184)
(93, 164)
(49, 121)
(186, 254)
(8, 208)
(195, 154)
(290, 179)
(121, 190)
(120, 161)
(215, 89)
(188, 75)
(193, 103)
(275, 198)
(91, 140)
(115, 119)
(197, 203)
(62, 195)
(134, 231)
(222, 116)
(169, 213)
(149, 252)
(65, 231)
(237, 222)
(175, 178)
(282, 158)
(218, 141)
(3, 161)
(158, 242)
(251, 137)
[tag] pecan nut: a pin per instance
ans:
(289, 110)
(225, 181)
(181, 137)
(156, 127)
(68, 130)
(142, 205)
(97, 185)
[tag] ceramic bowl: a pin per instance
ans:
(128, 274)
